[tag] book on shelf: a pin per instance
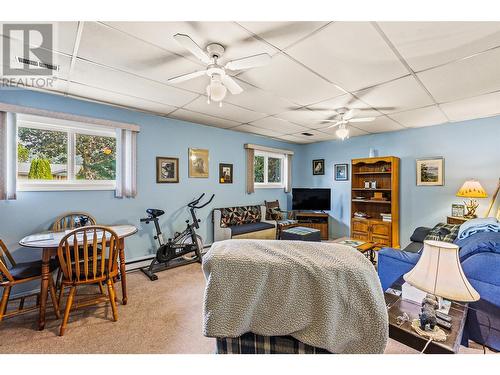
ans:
(386, 217)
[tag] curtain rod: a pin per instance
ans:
(268, 149)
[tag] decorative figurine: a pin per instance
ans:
(428, 315)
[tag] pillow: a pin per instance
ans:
(273, 214)
(419, 234)
(450, 237)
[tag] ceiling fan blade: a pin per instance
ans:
(185, 77)
(249, 62)
(349, 114)
(189, 44)
(334, 125)
(231, 85)
(362, 119)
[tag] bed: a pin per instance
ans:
(266, 296)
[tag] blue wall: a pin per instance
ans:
(471, 150)
(159, 136)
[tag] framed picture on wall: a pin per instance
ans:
(198, 163)
(167, 170)
(430, 172)
(341, 172)
(225, 173)
(318, 167)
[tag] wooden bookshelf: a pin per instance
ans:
(385, 172)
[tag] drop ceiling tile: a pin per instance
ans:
(329, 107)
(255, 130)
(258, 100)
(415, 118)
(227, 111)
(92, 93)
(16, 50)
(104, 45)
(350, 54)
(237, 42)
(282, 34)
(427, 44)
(290, 80)
(292, 138)
(200, 118)
(471, 108)
(304, 116)
(64, 35)
(317, 135)
(396, 96)
(379, 125)
(127, 84)
(464, 78)
(278, 125)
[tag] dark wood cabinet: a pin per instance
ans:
(314, 220)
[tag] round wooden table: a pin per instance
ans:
(49, 249)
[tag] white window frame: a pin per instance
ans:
(284, 169)
(72, 128)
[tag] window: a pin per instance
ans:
(54, 154)
(269, 169)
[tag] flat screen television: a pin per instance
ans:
(311, 199)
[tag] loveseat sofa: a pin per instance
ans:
(480, 259)
(243, 222)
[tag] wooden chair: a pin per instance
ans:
(88, 255)
(64, 222)
(19, 273)
(67, 220)
(274, 212)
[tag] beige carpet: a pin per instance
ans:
(163, 316)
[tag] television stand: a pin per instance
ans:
(315, 220)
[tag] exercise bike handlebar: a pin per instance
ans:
(194, 203)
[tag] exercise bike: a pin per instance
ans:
(185, 248)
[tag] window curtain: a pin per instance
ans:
(250, 171)
(8, 155)
(126, 174)
(288, 182)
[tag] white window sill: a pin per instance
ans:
(269, 186)
(66, 186)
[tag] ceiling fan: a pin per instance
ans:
(220, 81)
(343, 117)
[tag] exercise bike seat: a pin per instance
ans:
(155, 212)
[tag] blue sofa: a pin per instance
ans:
(480, 258)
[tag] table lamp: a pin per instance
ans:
(471, 189)
(439, 272)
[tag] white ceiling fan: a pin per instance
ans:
(220, 81)
(343, 117)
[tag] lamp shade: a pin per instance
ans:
(472, 189)
(439, 272)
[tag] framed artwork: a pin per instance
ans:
(225, 173)
(457, 210)
(341, 172)
(430, 172)
(167, 170)
(319, 167)
(198, 163)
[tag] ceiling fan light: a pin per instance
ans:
(342, 132)
(216, 91)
